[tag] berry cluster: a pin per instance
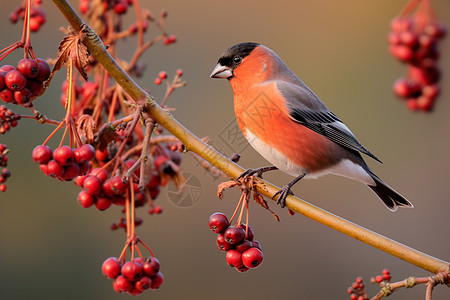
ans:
(170, 40)
(63, 163)
(8, 119)
(163, 76)
(102, 189)
(127, 164)
(120, 7)
(357, 290)
(384, 277)
(135, 276)
(243, 253)
(414, 40)
(37, 16)
(22, 84)
(5, 174)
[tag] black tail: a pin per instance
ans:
(390, 198)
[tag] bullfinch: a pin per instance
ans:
(290, 126)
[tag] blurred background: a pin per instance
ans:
(51, 248)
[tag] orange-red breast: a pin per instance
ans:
(290, 126)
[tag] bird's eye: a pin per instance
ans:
(237, 59)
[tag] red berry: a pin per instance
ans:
(162, 74)
(256, 244)
(54, 169)
(71, 171)
(28, 67)
(42, 154)
(44, 169)
(252, 258)
(85, 200)
(35, 24)
(435, 30)
(242, 269)
(234, 258)
(2, 187)
(120, 7)
(431, 91)
(15, 81)
(222, 244)
(157, 281)
(63, 155)
(102, 203)
(13, 17)
(218, 222)
(2, 80)
(123, 284)
(172, 39)
(426, 41)
(403, 53)
(401, 24)
(7, 95)
(84, 168)
(117, 185)
(143, 284)
(85, 153)
(35, 87)
(379, 278)
(6, 68)
(23, 96)
(84, 6)
(151, 266)
(158, 209)
(244, 246)
(409, 39)
(394, 38)
(100, 174)
(180, 72)
(387, 277)
(44, 70)
(107, 189)
(158, 81)
(234, 235)
(132, 271)
(412, 104)
(111, 267)
(92, 185)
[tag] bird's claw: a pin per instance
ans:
(283, 193)
(258, 172)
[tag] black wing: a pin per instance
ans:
(308, 110)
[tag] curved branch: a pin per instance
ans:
(194, 144)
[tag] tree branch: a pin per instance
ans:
(194, 144)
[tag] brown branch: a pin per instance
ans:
(193, 143)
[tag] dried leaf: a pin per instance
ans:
(260, 200)
(225, 185)
(86, 128)
(104, 136)
(72, 48)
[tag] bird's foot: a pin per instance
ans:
(283, 193)
(258, 172)
(286, 190)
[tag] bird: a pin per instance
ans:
(287, 123)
